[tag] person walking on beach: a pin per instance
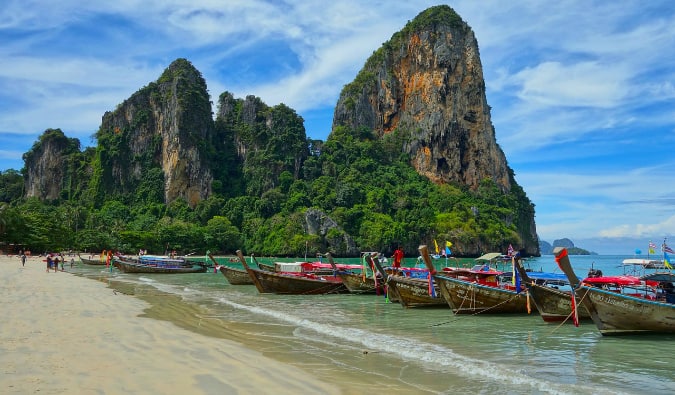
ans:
(49, 262)
(23, 259)
(56, 264)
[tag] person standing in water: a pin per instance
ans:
(398, 257)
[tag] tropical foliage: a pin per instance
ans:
(267, 175)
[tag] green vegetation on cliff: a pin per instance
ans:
(266, 177)
(363, 183)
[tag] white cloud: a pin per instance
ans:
(658, 229)
(585, 84)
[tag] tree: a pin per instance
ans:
(221, 235)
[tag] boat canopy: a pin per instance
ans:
(643, 262)
(300, 267)
(489, 256)
(659, 277)
(617, 280)
(159, 258)
(290, 267)
(544, 276)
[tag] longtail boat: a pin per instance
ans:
(292, 283)
(87, 261)
(172, 266)
(234, 275)
(359, 283)
(413, 288)
(615, 312)
(478, 290)
(410, 287)
(553, 304)
(390, 293)
(265, 266)
(318, 268)
(414, 292)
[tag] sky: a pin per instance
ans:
(582, 91)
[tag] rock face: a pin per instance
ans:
(423, 89)
(566, 243)
(545, 248)
(165, 125)
(427, 83)
(268, 140)
(46, 165)
(319, 223)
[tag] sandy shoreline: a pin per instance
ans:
(62, 333)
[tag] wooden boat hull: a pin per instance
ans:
(616, 314)
(96, 262)
(236, 276)
(355, 283)
(132, 267)
(414, 292)
(465, 297)
(265, 266)
(278, 283)
(553, 304)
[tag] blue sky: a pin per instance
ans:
(581, 91)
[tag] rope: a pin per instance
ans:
(570, 314)
(471, 288)
(477, 312)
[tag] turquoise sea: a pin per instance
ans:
(363, 344)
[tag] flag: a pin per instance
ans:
(432, 291)
(667, 249)
(448, 244)
(509, 252)
(516, 278)
(436, 245)
(652, 248)
(666, 261)
(447, 248)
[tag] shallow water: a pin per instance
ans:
(362, 343)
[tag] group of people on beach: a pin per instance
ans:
(56, 262)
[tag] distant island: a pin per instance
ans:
(547, 249)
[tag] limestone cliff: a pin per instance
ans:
(268, 140)
(47, 165)
(427, 82)
(168, 125)
(336, 239)
(425, 86)
(422, 92)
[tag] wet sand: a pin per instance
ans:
(62, 333)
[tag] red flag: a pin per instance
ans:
(575, 316)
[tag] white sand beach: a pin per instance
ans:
(61, 333)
